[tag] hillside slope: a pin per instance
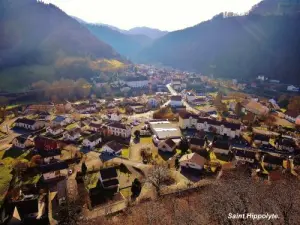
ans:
(127, 45)
(37, 34)
(150, 32)
(234, 47)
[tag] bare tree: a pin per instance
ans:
(158, 175)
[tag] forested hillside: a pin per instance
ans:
(125, 44)
(37, 37)
(234, 47)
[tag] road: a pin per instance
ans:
(187, 105)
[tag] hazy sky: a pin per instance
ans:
(162, 14)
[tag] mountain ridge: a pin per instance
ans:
(233, 47)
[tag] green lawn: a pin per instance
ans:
(71, 126)
(214, 158)
(146, 140)
(91, 180)
(125, 153)
(5, 178)
(126, 192)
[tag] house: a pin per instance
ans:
(197, 144)
(255, 107)
(96, 127)
(274, 104)
(51, 156)
(231, 130)
(260, 139)
(63, 107)
(137, 81)
(187, 120)
(245, 156)
(293, 88)
(113, 148)
(167, 145)
(139, 109)
(272, 162)
(176, 84)
(193, 161)
(118, 129)
(44, 116)
(190, 97)
(109, 178)
(45, 144)
(55, 130)
(61, 120)
(84, 107)
(23, 141)
(29, 124)
(292, 115)
(72, 135)
(286, 144)
(54, 170)
(92, 141)
(31, 208)
(176, 101)
(115, 117)
(6, 209)
(221, 147)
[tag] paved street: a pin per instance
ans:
(187, 105)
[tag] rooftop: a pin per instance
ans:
(165, 130)
(25, 121)
(108, 173)
(115, 146)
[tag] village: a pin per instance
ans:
(180, 131)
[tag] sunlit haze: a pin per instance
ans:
(162, 14)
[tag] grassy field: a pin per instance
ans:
(14, 77)
(71, 126)
(5, 178)
(125, 153)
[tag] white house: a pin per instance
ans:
(115, 117)
(232, 130)
(113, 148)
(293, 88)
(55, 130)
(92, 141)
(167, 145)
(84, 107)
(72, 135)
(137, 81)
(23, 141)
(187, 120)
(29, 124)
(176, 101)
(118, 129)
(245, 156)
(55, 170)
(192, 160)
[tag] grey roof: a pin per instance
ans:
(115, 146)
(25, 121)
(108, 173)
